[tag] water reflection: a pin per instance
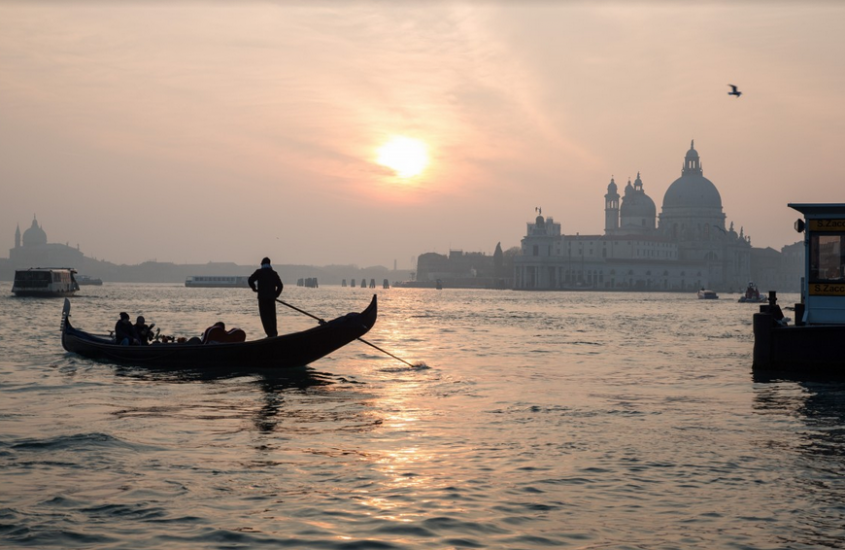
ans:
(274, 385)
(810, 417)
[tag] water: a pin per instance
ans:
(530, 420)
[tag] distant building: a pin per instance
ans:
(778, 270)
(685, 248)
(32, 250)
(463, 269)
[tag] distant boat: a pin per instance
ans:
(86, 280)
(752, 295)
(707, 295)
(201, 281)
(45, 282)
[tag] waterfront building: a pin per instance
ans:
(684, 248)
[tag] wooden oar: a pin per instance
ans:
(322, 322)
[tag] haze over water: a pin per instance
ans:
(538, 420)
(323, 133)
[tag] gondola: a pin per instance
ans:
(280, 352)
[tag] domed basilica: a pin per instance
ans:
(33, 250)
(685, 247)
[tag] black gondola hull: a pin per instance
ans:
(286, 351)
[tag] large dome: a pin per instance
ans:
(692, 189)
(34, 235)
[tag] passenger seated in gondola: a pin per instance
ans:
(217, 334)
(143, 331)
(124, 331)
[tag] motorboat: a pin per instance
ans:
(704, 294)
(751, 295)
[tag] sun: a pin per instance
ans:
(406, 156)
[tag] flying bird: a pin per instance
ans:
(734, 91)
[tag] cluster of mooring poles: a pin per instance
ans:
(384, 284)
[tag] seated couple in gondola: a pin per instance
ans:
(127, 334)
(140, 334)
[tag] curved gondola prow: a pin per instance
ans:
(370, 313)
(65, 314)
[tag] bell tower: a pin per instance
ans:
(611, 208)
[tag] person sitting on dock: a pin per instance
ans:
(143, 331)
(124, 331)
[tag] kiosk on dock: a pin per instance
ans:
(816, 342)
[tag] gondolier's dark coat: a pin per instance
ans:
(269, 284)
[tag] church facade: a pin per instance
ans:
(686, 247)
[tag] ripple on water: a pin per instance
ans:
(80, 442)
(572, 420)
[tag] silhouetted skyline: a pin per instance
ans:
(227, 132)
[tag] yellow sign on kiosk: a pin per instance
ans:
(827, 225)
(827, 289)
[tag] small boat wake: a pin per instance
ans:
(414, 368)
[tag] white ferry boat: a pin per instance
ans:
(86, 280)
(217, 282)
(45, 281)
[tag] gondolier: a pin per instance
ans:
(266, 282)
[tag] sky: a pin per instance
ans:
(225, 131)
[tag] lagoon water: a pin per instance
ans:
(530, 420)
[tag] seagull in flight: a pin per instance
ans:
(734, 91)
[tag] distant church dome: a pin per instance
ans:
(34, 235)
(692, 189)
(635, 203)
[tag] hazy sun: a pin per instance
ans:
(407, 157)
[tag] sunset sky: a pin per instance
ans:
(222, 131)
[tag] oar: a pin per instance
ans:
(322, 322)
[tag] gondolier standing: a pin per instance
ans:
(269, 287)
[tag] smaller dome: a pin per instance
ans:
(541, 223)
(636, 204)
(34, 235)
(611, 187)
